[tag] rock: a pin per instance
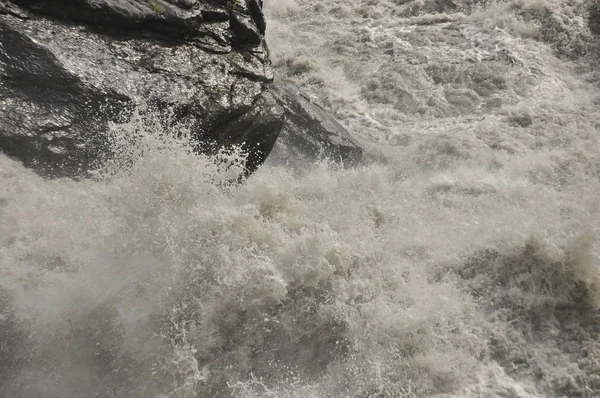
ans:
(594, 17)
(69, 68)
(309, 132)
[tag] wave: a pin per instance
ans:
(461, 259)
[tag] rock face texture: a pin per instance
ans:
(68, 68)
(309, 132)
(594, 18)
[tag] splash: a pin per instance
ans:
(462, 259)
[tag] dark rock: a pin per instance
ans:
(263, 119)
(244, 29)
(309, 132)
(69, 68)
(187, 3)
(594, 17)
(255, 8)
(48, 118)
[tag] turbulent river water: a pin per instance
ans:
(462, 259)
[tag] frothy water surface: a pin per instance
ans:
(461, 260)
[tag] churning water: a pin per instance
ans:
(461, 260)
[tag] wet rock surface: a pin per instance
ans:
(70, 68)
(309, 131)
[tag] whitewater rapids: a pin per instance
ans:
(461, 260)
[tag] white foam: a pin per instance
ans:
(461, 260)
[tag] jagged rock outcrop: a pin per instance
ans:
(68, 68)
(309, 132)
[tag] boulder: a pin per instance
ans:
(70, 68)
(309, 131)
